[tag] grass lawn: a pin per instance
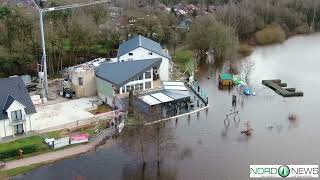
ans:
(36, 140)
(183, 56)
(33, 140)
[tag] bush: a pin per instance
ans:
(14, 152)
(29, 145)
(303, 30)
(245, 49)
(270, 35)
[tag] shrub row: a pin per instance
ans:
(270, 35)
(14, 152)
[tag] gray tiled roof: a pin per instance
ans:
(14, 89)
(8, 103)
(141, 41)
(120, 73)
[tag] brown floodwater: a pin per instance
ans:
(203, 148)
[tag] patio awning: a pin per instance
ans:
(162, 97)
(149, 100)
(177, 95)
(180, 88)
(173, 83)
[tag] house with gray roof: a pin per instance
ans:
(16, 107)
(140, 48)
(119, 78)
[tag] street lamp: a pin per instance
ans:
(43, 74)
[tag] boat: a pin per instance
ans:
(247, 91)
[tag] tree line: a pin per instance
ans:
(74, 36)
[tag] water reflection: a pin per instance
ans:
(137, 171)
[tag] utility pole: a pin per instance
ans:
(43, 73)
(44, 59)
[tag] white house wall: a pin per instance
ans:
(6, 129)
(15, 106)
(141, 53)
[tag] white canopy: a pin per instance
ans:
(162, 97)
(180, 88)
(150, 100)
(173, 83)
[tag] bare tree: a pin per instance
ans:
(246, 69)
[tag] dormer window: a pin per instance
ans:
(130, 54)
(16, 115)
(150, 53)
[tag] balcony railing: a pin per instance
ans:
(18, 121)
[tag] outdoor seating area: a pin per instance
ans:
(174, 99)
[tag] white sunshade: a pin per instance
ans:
(172, 83)
(162, 97)
(180, 88)
(150, 100)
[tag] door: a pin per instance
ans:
(19, 129)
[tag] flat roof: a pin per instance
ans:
(177, 95)
(162, 97)
(172, 83)
(149, 100)
(180, 88)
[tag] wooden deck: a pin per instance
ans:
(281, 89)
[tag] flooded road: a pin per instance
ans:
(205, 148)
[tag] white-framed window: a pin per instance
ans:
(123, 89)
(139, 86)
(147, 85)
(148, 75)
(16, 115)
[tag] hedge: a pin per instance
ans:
(270, 35)
(14, 152)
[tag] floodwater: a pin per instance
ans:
(203, 148)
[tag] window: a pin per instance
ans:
(148, 85)
(16, 115)
(148, 75)
(128, 88)
(80, 79)
(150, 53)
(123, 89)
(137, 78)
(130, 54)
(139, 86)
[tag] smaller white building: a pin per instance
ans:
(141, 48)
(16, 106)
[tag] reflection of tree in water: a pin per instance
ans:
(79, 178)
(155, 142)
(293, 120)
(184, 154)
(151, 143)
(138, 172)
